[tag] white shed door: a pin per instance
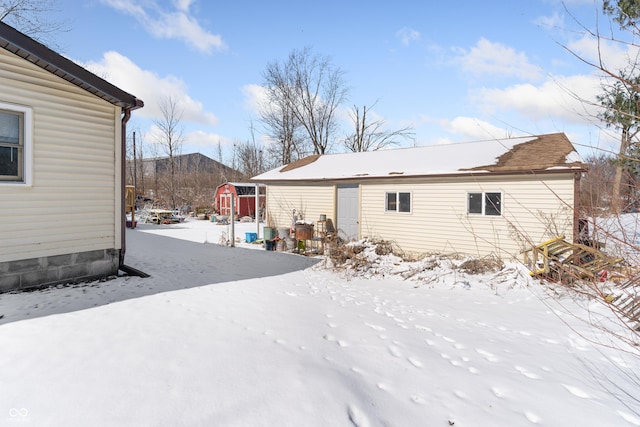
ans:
(348, 202)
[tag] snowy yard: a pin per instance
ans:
(222, 336)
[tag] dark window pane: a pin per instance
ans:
(9, 161)
(492, 204)
(474, 203)
(9, 127)
(405, 202)
(391, 202)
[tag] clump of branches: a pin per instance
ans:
(481, 265)
(357, 255)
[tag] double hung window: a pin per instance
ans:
(15, 144)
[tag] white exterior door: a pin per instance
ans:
(225, 204)
(348, 208)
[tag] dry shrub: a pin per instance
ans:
(384, 247)
(341, 253)
(481, 265)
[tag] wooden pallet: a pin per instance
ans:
(557, 256)
(627, 301)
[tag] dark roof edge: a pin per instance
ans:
(35, 52)
(475, 174)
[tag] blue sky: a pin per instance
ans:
(458, 71)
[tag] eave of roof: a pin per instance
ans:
(35, 52)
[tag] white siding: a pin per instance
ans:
(72, 204)
(310, 200)
(534, 208)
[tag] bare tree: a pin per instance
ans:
(249, 157)
(306, 90)
(33, 17)
(170, 138)
(371, 135)
(283, 128)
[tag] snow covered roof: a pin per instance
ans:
(510, 155)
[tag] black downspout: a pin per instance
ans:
(123, 183)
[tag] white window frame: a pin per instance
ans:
(397, 209)
(27, 144)
(483, 195)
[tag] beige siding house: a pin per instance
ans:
(61, 157)
(494, 197)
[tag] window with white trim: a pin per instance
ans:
(15, 144)
(484, 203)
(397, 202)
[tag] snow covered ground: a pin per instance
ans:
(221, 336)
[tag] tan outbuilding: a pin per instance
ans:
(494, 197)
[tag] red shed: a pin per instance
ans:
(244, 194)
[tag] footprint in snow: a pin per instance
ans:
(630, 418)
(357, 417)
(487, 355)
(341, 343)
(375, 327)
(415, 362)
(526, 373)
(497, 392)
(533, 418)
(383, 386)
(461, 394)
(576, 391)
(395, 351)
(418, 399)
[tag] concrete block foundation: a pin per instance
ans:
(58, 269)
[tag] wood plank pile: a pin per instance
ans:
(557, 257)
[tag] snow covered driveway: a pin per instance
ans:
(189, 263)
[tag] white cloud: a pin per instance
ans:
(407, 35)
(613, 56)
(175, 24)
(151, 88)
(473, 129)
(496, 59)
(183, 5)
(210, 141)
(566, 98)
(553, 22)
(254, 97)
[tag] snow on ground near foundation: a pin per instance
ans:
(304, 347)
